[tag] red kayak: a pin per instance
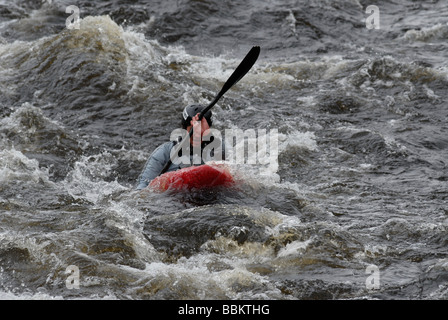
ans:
(197, 177)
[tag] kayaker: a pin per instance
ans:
(199, 140)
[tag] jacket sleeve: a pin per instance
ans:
(154, 165)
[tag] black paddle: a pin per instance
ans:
(236, 76)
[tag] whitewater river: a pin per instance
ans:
(354, 208)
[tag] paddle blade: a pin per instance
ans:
(242, 69)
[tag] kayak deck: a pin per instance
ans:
(196, 177)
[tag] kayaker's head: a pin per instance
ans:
(190, 117)
(192, 110)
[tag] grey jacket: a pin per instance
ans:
(160, 157)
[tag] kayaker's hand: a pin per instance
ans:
(199, 128)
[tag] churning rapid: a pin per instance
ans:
(355, 209)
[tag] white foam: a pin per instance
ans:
(15, 166)
(24, 122)
(305, 140)
(87, 179)
(294, 248)
(195, 272)
(436, 32)
(28, 296)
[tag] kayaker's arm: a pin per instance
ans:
(154, 165)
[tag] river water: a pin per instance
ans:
(355, 209)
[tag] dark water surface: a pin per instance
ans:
(362, 175)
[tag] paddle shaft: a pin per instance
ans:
(236, 76)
